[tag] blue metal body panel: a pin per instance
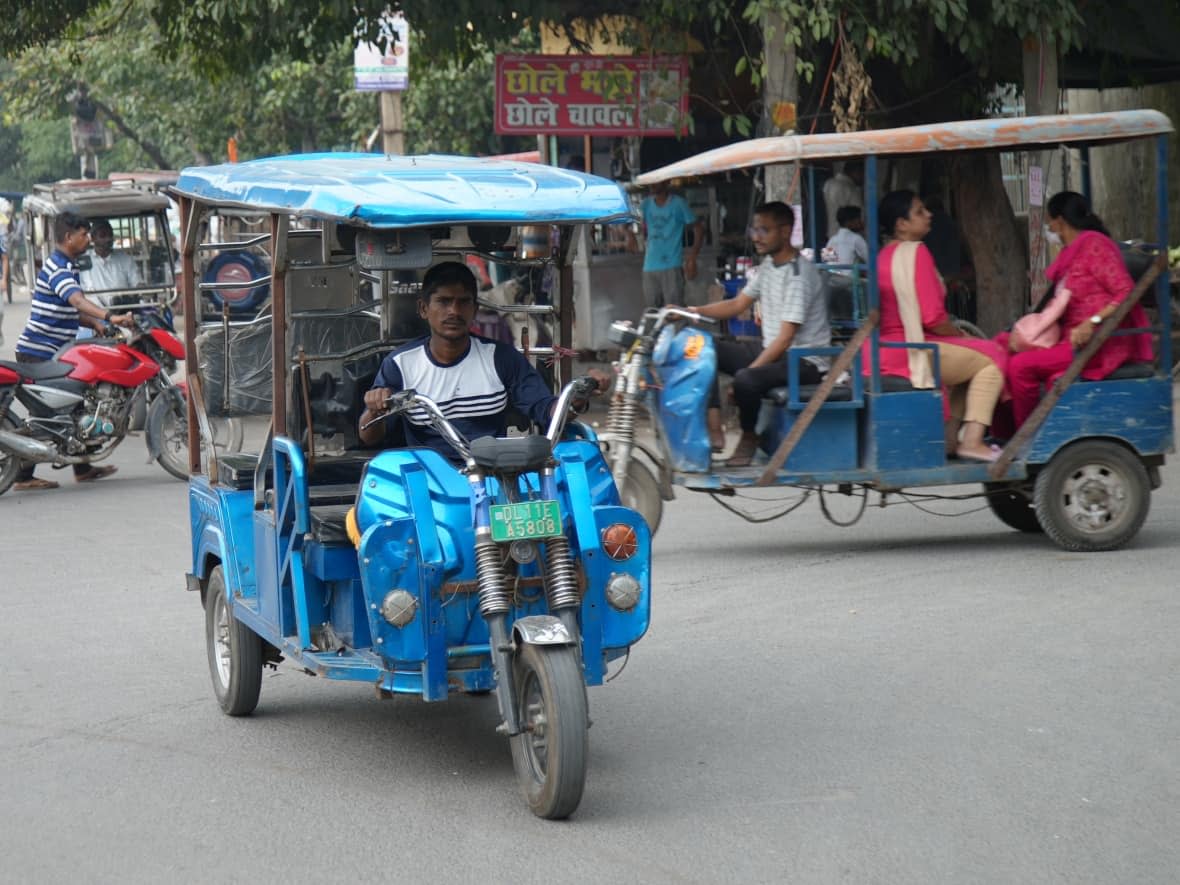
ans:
(415, 512)
(378, 191)
(684, 366)
(1138, 412)
(904, 431)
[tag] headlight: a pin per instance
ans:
(619, 541)
(623, 592)
(398, 607)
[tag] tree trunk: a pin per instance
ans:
(781, 84)
(1123, 176)
(999, 250)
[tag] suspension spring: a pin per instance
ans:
(620, 419)
(494, 596)
(561, 578)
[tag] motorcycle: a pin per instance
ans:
(80, 405)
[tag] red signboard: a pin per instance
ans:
(590, 95)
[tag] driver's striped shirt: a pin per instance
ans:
(53, 321)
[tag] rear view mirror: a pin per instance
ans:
(393, 249)
(83, 262)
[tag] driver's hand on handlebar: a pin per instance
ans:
(605, 382)
(126, 320)
(376, 400)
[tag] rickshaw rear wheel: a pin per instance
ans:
(641, 493)
(1012, 503)
(1092, 496)
(551, 752)
(235, 652)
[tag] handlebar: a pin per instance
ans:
(403, 400)
(578, 389)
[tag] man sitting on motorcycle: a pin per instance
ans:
(472, 379)
(790, 293)
(57, 305)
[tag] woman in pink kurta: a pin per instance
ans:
(913, 309)
(1091, 269)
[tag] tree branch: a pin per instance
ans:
(152, 150)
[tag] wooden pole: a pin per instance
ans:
(393, 135)
(842, 363)
(1041, 412)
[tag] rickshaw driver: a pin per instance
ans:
(794, 312)
(472, 379)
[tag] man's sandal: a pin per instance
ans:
(35, 484)
(95, 473)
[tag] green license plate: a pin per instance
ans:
(529, 519)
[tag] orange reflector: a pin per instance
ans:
(619, 541)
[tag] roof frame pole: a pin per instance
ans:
(1087, 186)
(811, 220)
(189, 222)
(278, 321)
(1163, 295)
(871, 197)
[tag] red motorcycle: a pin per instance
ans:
(80, 405)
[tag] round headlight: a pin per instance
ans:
(619, 541)
(398, 607)
(623, 592)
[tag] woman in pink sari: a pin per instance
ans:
(1091, 269)
(913, 309)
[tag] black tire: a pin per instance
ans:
(10, 465)
(1012, 502)
(641, 492)
(234, 650)
(551, 754)
(1092, 496)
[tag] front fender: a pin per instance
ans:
(541, 630)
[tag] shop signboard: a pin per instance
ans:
(591, 95)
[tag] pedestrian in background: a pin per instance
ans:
(666, 217)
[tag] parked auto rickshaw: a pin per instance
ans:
(510, 568)
(1081, 469)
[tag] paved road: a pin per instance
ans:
(913, 700)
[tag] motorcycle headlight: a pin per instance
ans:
(623, 592)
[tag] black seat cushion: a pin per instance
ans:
(39, 371)
(327, 523)
(839, 394)
(516, 453)
(895, 384)
(1128, 370)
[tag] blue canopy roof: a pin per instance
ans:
(371, 190)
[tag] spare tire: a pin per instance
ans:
(230, 267)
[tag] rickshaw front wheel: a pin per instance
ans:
(551, 752)
(235, 652)
(1092, 496)
(641, 493)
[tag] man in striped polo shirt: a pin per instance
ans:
(472, 379)
(57, 305)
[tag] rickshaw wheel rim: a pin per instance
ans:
(536, 740)
(1094, 497)
(221, 640)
